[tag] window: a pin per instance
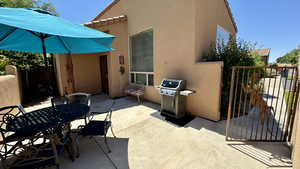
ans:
(223, 36)
(142, 58)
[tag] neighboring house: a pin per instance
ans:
(155, 39)
(264, 54)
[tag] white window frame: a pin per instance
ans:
(129, 54)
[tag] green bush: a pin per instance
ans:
(3, 62)
(23, 61)
(235, 53)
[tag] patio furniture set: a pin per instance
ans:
(35, 139)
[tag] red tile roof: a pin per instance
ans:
(108, 21)
(261, 52)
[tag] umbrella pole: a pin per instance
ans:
(49, 87)
(44, 51)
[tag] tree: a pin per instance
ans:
(24, 61)
(290, 58)
(28, 4)
(258, 60)
(235, 53)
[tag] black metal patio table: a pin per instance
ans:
(48, 119)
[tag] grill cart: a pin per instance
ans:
(173, 98)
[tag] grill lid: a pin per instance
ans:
(170, 84)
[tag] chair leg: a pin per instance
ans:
(105, 140)
(112, 131)
(77, 147)
(138, 98)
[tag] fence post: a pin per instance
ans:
(230, 102)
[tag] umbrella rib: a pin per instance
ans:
(8, 34)
(64, 43)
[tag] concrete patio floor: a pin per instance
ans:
(146, 141)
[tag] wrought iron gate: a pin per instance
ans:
(262, 103)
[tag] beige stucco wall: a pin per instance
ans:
(9, 88)
(86, 71)
(179, 41)
(117, 80)
(183, 30)
(209, 14)
(296, 137)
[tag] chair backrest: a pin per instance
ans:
(82, 98)
(32, 152)
(7, 114)
(58, 101)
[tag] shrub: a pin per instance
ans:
(23, 61)
(235, 53)
(3, 62)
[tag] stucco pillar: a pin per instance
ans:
(15, 86)
(296, 148)
(70, 74)
(11, 70)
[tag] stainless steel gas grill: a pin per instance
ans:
(173, 100)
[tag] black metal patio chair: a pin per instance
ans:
(32, 152)
(65, 138)
(80, 98)
(99, 127)
(7, 114)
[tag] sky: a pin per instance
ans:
(271, 24)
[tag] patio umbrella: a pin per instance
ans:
(38, 31)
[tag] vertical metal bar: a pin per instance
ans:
(241, 91)
(294, 109)
(274, 113)
(257, 126)
(235, 83)
(276, 105)
(245, 117)
(230, 102)
(287, 108)
(252, 126)
(268, 96)
(249, 107)
(262, 96)
(282, 102)
(239, 121)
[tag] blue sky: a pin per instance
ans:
(271, 23)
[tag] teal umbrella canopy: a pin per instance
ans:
(38, 31)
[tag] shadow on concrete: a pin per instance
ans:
(94, 154)
(103, 102)
(266, 153)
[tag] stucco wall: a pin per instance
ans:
(182, 31)
(9, 88)
(175, 50)
(209, 14)
(117, 80)
(296, 136)
(86, 71)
